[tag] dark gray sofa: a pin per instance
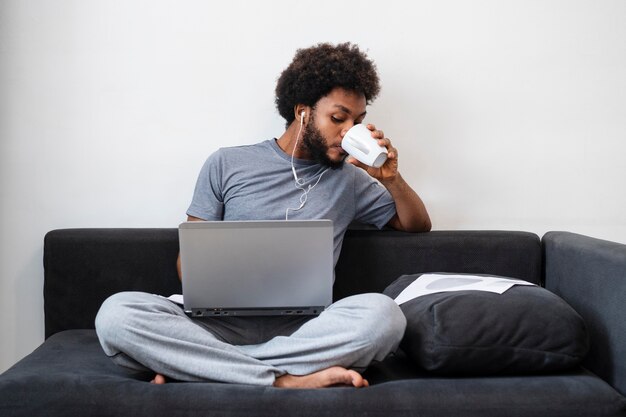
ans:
(69, 374)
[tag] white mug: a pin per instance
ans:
(359, 143)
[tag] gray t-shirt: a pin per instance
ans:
(255, 182)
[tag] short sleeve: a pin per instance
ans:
(208, 202)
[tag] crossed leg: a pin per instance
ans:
(349, 334)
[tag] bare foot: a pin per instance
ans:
(324, 378)
(158, 380)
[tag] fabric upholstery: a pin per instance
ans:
(588, 273)
(69, 375)
(371, 259)
(85, 266)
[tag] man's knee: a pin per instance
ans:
(385, 311)
(116, 312)
(383, 320)
(109, 315)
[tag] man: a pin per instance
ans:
(301, 175)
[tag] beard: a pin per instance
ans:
(316, 145)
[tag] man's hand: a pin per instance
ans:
(389, 171)
(411, 214)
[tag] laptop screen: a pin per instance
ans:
(256, 267)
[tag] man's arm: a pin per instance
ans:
(178, 268)
(411, 214)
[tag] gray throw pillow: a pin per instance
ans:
(527, 329)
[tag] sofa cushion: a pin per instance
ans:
(69, 375)
(526, 329)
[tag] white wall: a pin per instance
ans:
(507, 114)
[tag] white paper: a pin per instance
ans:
(434, 283)
(177, 298)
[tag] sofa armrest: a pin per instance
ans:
(590, 274)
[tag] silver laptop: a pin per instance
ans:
(236, 268)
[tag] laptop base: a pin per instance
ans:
(286, 311)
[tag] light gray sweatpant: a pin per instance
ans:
(147, 332)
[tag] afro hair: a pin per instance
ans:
(316, 71)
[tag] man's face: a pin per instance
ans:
(317, 147)
(328, 122)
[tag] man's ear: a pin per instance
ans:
(301, 113)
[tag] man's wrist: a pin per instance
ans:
(394, 183)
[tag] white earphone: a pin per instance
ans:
(300, 182)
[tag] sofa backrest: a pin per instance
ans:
(372, 259)
(85, 266)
